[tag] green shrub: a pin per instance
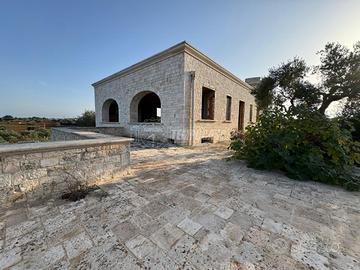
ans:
(10, 136)
(305, 145)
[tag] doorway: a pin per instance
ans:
(241, 115)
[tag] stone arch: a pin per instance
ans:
(110, 111)
(145, 107)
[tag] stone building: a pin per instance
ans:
(179, 95)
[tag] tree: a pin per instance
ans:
(287, 86)
(87, 119)
(7, 118)
(351, 115)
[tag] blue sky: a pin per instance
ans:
(51, 51)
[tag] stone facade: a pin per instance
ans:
(205, 76)
(177, 76)
(41, 170)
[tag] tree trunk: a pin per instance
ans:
(325, 104)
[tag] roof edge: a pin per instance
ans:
(174, 50)
(178, 48)
(211, 63)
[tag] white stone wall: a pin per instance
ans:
(166, 79)
(223, 86)
(170, 80)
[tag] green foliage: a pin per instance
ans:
(287, 86)
(304, 144)
(7, 118)
(87, 119)
(350, 118)
(10, 136)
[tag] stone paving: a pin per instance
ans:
(188, 208)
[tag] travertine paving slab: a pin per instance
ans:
(43, 260)
(224, 212)
(189, 226)
(166, 236)
(10, 258)
(188, 208)
(125, 230)
(140, 246)
(77, 245)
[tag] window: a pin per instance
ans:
(207, 140)
(228, 108)
(208, 104)
(251, 113)
(241, 115)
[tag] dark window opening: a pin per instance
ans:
(207, 140)
(149, 109)
(228, 108)
(251, 113)
(113, 112)
(110, 111)
(208, 104)
(241, 115)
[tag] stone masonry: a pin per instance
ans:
(177, 76)
(42, 170)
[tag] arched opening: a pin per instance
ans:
(110, 111)
(145, 107)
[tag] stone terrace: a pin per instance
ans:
(188, 208)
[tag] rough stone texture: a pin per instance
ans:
(70, 134)
(205, 76)
(170, 78)
(44, 170)
(149, 220)
(164, 78)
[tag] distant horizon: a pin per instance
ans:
(53, 51)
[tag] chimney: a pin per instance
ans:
(253, 81)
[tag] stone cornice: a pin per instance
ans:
(28, 148)
(182, 47)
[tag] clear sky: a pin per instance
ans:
(51, 51)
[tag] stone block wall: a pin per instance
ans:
(42, 170)
(165, 78)
(168, 75)
(75, 133)
(205, 76)
(60, 134)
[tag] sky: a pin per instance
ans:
(51, 51)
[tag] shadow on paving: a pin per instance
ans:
(188, 208)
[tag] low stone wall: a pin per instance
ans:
(69, 134)
(41, 170)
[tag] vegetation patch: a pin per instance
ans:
(36, 134)
(294, 134)
(306, 146)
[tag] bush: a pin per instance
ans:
(305, 145)
(10, 136)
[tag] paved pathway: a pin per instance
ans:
(188, 209)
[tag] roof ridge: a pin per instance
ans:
(183, 46)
